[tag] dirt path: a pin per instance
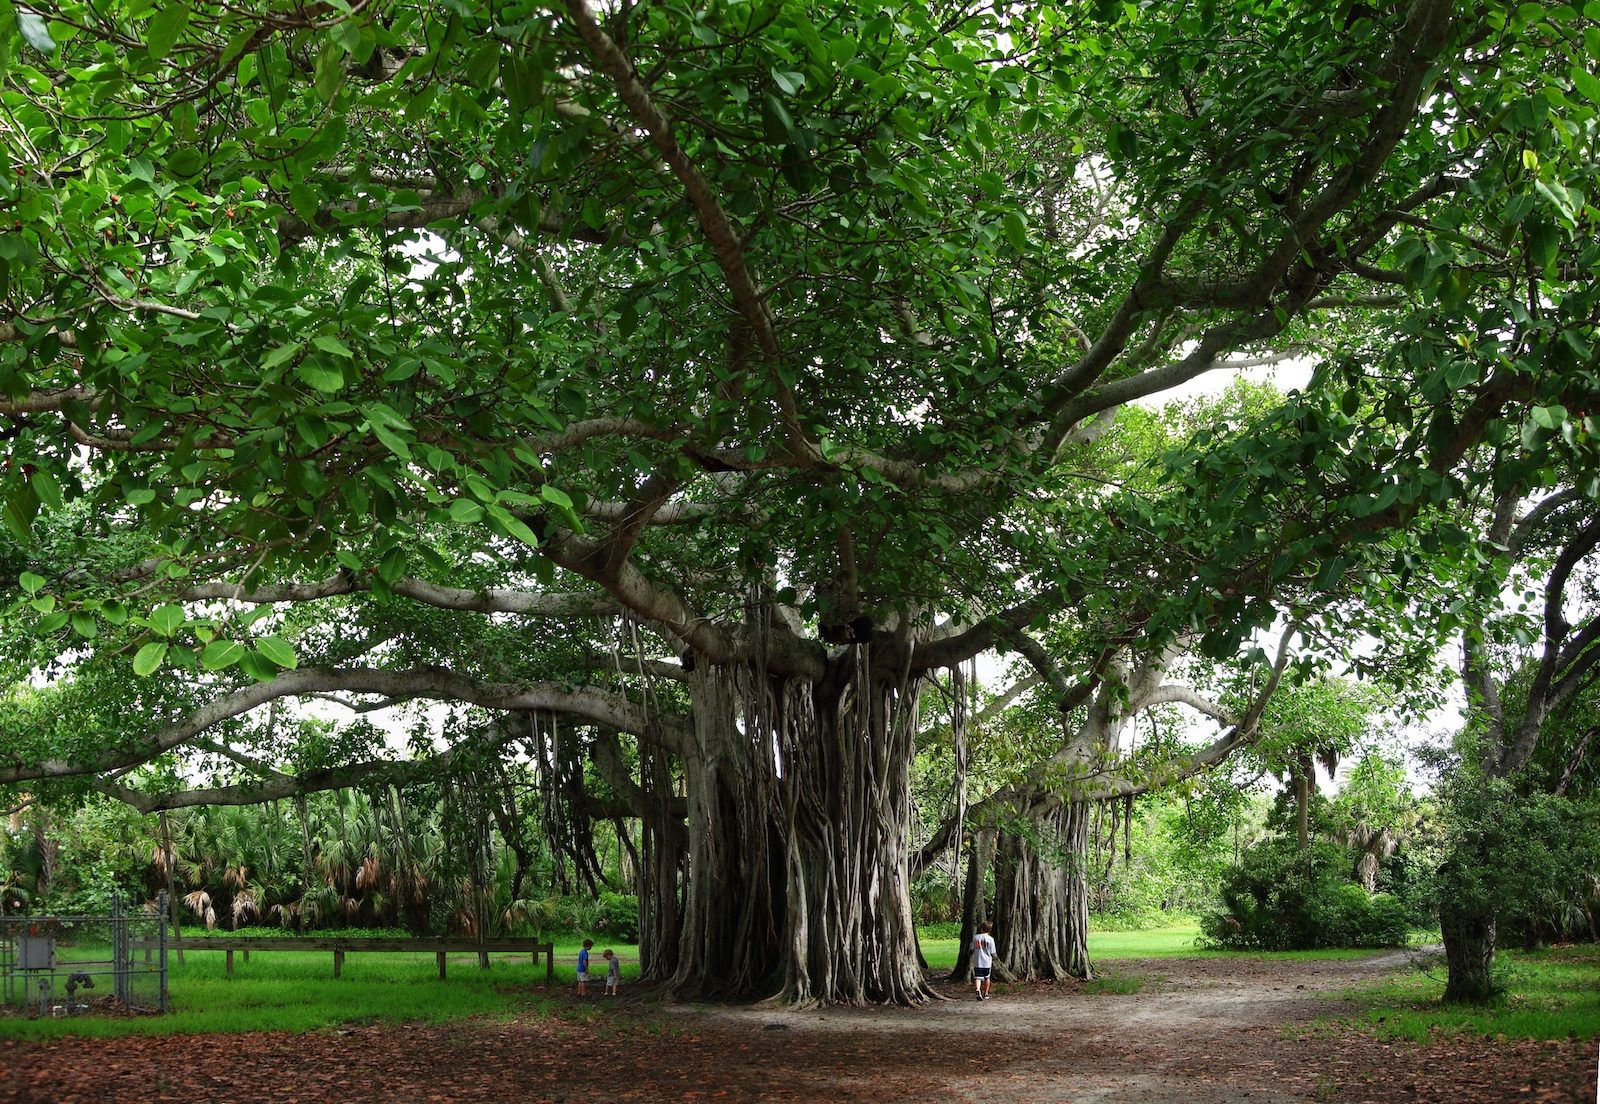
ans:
(1199, 1031)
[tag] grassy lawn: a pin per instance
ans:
(296, 991)
(1174, 942)
(1550, 994)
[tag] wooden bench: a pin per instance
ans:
(341, 946)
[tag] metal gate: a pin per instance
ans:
(82, 965)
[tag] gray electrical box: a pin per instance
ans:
(36, 952)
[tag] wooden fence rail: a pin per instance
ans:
(341, 946)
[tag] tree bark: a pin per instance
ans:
(1469, 945)
(1302, 803)
(1042, 894)
(979, 858)
(798, 865)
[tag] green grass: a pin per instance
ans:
(1551, 994)
(296, 991)
(1177, 941)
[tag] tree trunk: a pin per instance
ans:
(1042, 894)
(1302, 803)
(1469, 943)
(847, 745)
(798, 862)
(733, 904)
(979, 858)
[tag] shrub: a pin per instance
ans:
(619, 917)
(1282, 899)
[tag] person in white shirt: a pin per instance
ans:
(983, 961)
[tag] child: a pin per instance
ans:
(983, 961)
(583, 968)
(613, 974)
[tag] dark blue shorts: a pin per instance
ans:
(981, 973)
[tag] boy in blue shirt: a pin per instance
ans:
(583, 968)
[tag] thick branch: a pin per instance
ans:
(428, 682)
(487, 600)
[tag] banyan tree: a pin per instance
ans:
(714, 378)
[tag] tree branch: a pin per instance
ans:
(428, 682)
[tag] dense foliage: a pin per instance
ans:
(1284, 898)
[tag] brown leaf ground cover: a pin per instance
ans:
(1196, 1031)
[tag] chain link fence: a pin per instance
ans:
(85, 965)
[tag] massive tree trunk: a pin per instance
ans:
(979, 858)
(1042, 893)
(847, 747)
(1469, 944)
(799, 804)
(733, 903)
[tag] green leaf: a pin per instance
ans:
(36, 31)
(46, 487)
(347, 33)
(149, 659)
(483, 68)
(329, 71)
(278, 652)
(186, 161)
(776, 121)
(320, 374)
(392, 566)
(391, 441)
(329, 344)
(257, 668)
(465, 511)
(85, 626)
(383, 414)
(1586, 83)
(167, 619)
(555, 496)
(790, 82)
(221, 654)
(1016, 231)
(513, 526)
(31, 583)
(165, 29)
(1549, 417)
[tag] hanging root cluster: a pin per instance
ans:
(797, 860)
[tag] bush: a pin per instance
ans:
(1282, 899)
(619, 917)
